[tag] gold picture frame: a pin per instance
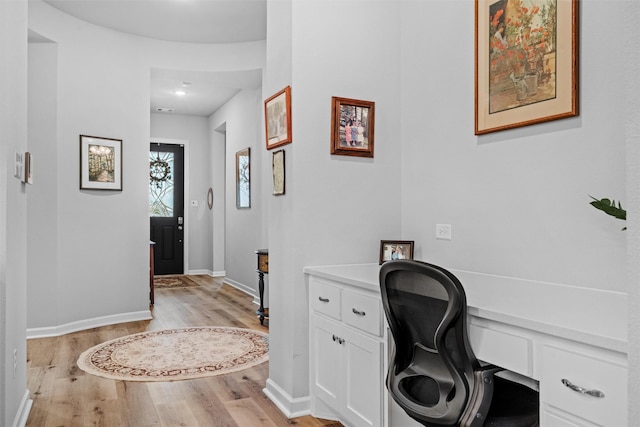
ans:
(277, 119)
(526, 62)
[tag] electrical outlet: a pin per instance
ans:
(443, 231)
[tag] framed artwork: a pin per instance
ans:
(395, 249)
(243, 178)
(278, 173)
(277, 118)
(100, 163)
(352, 127)
(526, 62)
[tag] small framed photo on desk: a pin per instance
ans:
(395, 249)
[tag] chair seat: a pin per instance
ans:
(513, 405)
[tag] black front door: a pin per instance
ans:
(166, 207)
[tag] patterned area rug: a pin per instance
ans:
(173, 282)
(176, 354)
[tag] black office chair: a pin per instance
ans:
(433, 374)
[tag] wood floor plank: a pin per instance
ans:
(246, 413)
(65, 396)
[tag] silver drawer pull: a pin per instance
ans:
(578, 389)
(359, 313)
(323, 299)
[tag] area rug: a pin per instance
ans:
(160, 282)
(176, 354)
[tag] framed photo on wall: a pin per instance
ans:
(526, 62)
(100, 163)
(352, 127)
(278, 173)
(395, 249)
(277, 118)
(243, 178)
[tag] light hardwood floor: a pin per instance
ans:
(63, 395)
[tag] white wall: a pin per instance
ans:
(518, 201)
(42, 198)
(195, 130)
(242, 119)
(336, 208)
(103, 89)
(631, 42)
(14, 395)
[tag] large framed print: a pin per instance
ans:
(100, 163)
(277, 118)
(526, 62)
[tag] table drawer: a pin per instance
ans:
(325, 298)
(589, 373)
(362, 312)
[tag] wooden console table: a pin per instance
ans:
(263, 268)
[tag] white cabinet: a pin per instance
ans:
(585, 388)
(346, 350)
(507, 327)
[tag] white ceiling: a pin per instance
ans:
(190, 21)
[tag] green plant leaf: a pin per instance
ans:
(609, 207)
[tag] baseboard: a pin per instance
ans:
(244, 288)
(289, 406)
(194, 272)
(81, 325)
(23, 411)
(207, 272)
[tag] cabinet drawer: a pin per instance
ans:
(589, 373)
(325, 298)
(362, 312)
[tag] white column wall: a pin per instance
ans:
(14, 396)
(336, 208)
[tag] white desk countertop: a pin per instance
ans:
(591, 316)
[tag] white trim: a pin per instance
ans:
(185, 144)
(194, 272)
(219, 273)
(289, 406)
(23, 411)
(244, 288)
(81, 325)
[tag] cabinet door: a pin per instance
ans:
(364, 379)
(326, 377)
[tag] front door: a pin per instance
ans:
(166, 207)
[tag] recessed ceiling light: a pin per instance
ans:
(185, 84)
(180, 92)
(165, 110)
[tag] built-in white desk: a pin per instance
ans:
(549, 333)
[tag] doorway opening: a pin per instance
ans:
(166, 207)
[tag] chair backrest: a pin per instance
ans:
(431, 371)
